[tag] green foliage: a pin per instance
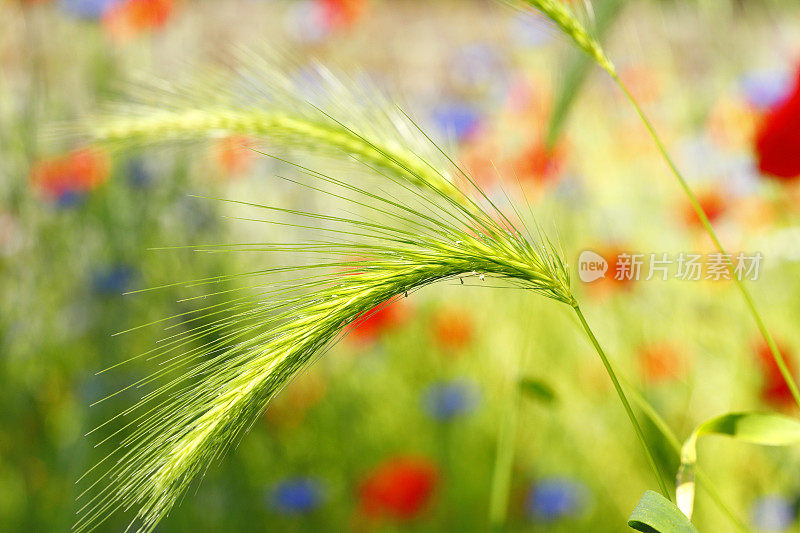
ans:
(656, 514)
(768, 429)
(537, 390)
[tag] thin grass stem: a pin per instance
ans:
(773, 347)
(504, 458)
(637, 428)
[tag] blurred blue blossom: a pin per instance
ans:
(296, 496)
(138, 173)
(68, 199)
(555, 498)
(445, 401)
(764, 89)
(456, 119)
(773, 513)
(90, 9)
(113, 280)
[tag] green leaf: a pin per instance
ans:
(537, 389)
(767, 429)
(656, 514)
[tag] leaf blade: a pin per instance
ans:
(766, 429)
(655, 514)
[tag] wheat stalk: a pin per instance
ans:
(571, 26)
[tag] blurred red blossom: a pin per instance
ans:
(660, 363)
(371, 324)
(777, 142)
(78, 172)
(613, 280)
(234, 155)
(400, 488)
(453, 329)
(774, 389)
(342, 13)
(714, 204)
(130, 18)
(540, 164)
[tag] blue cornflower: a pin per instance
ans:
(113, 280)
(764, 89)
(555, 498)
(445, 401)
(296, 496)
(457, 119)
(89, 9)
(773, 513)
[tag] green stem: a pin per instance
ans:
(703, 480)
(504, 460)
(776, 354)
(624, 400)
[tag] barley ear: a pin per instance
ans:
(562, 16)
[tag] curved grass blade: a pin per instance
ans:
(661, 425)
(656, 514)
(767, 429)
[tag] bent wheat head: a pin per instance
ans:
(264, 335)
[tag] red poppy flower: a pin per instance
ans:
(452, 329)
(774, 389)
(371, 324)
(400, 488)
(714, 205)
(778, 138)
(77, 172)
(131, 18)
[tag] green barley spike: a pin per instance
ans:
(214, 393)
(218, 374)
(560, 14)
(258, 99)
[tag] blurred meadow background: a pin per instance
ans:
(410, 422)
